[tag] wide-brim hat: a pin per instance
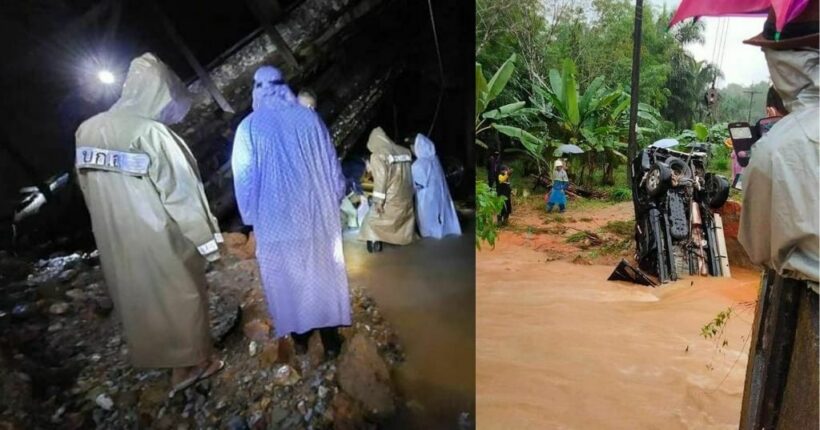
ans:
(559, 163)
(801, 32)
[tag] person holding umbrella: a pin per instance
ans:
(560, 182)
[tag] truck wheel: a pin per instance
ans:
(658, 179)
(717, 190)
(679, 168)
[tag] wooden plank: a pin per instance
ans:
(780, 353)
(266, 20)
(192, 61)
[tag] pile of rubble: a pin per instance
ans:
(64, 363)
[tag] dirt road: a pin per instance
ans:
(559, 347)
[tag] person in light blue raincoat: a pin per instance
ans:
(560, 182)
(435, 212)
(289, 186)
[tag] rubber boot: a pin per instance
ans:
(300, 342)
(332, 342)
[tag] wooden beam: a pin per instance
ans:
(192, 61)
(265, 18)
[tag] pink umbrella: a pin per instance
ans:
(784, 10)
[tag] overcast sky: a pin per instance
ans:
(742, 64)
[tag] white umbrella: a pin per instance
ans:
(567, 149)
(666, 143)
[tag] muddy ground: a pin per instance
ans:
(560, 347)
(64, 362)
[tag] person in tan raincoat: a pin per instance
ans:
(151, 222)
(391, 218)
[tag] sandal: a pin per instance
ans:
(186, 383)
(212, 370)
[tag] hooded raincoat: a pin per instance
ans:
(150, 217)
(289, 186)
(560, 182)
(391, 218)
(434, 207)
(779, 222)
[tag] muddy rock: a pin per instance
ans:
(257, 330)
(75, 294)
(103, 306)
(364, 375)
(285, 375)
(59, 308)
(224, 311)
(240, 246)
(67, 276)
(22, 310)
(347, 413)
(269, 355)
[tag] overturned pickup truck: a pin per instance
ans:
(676, 232)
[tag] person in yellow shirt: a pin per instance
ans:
(503, 188)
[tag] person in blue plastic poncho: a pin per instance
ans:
(289, 186)
(560, 182)
(435, 212)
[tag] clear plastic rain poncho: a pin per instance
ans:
(435, 211)
(289, 186)
(150, 217)
(779, 225)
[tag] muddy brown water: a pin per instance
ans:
(559, 347)
(426, 291)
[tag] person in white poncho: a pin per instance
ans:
(435, 211)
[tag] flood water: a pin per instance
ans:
(560, 347)
(426, 292)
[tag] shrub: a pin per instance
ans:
(488, 206)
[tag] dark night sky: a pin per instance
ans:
(48, 74)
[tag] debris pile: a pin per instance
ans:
(64, 362)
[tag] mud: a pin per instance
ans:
(560, 347)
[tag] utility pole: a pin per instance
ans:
(632, 149)
(751, 97)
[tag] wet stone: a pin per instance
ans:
(59, 308)
(67, 276)
(103, 306)
(75, 294)
(364, 375)
(22, 311)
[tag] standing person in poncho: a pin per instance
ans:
(151, 222)
(560, 182)
(289, 186)
(391, 218)
(436, 213)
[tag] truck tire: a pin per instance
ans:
(658, 179)
(679, 168)
(717, 190)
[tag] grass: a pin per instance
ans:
(577, 237)
(620, 228)
(616, 247)
(620, 194)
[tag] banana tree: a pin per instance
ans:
(486, 93)
(595, 120)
